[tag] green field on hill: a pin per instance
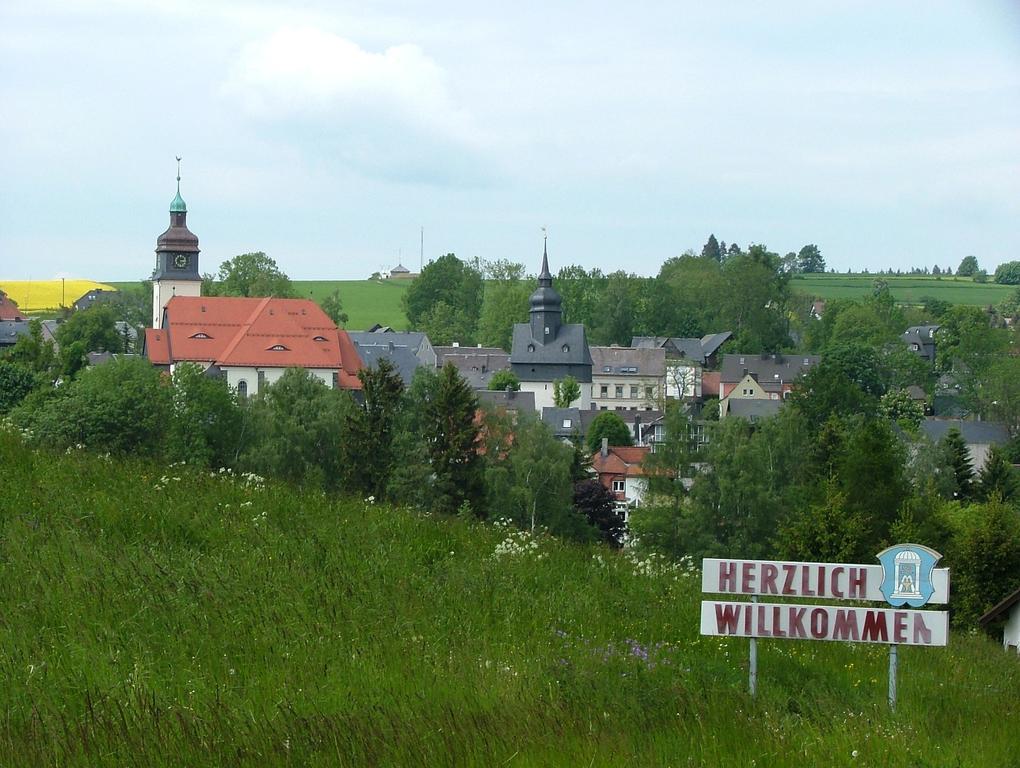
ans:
(157, 616)
(906, 289)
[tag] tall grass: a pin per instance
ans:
(161, 616)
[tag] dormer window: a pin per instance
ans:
(566, 424)
(531, 347)
(278, 348)
(607, 369)
(319, 338)
(200, 335)
(566, 347)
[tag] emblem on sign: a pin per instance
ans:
(907, 574)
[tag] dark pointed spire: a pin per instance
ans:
(545, 276)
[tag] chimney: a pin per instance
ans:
(391, 346)
(605, 447)
(637, 429)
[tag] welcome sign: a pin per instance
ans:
(905, 578)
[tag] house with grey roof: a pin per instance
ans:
(93, 297)
(775, 375)
(11, 331)
(921, 340)
(686, 357)
(565, 423)
(980, 436)
(505, 400)
(628, 378)
(475, 364)
(752, 410)
(402, 359)
(416, 341)
(545, 349)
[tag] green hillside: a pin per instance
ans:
(154, 615)
(906, 290)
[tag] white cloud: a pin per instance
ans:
(305, 72)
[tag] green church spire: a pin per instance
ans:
(178, 205)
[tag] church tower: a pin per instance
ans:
(546, 305)
(176, 272)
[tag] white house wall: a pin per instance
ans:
(543, 391)
(270, 376)
(1011, 634)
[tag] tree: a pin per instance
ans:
(505, 302)
(16, 382)
(1008, 273)
(446, 324)
(968, 266)
(205, 427)
(598, 505)
(711, 250)
(446, 406)
(985, 553)
(957, 457)
(810, 258)
(607, 424)
(250, 274)
(450, 281)
(33, 351)
(541, 489)
(617, 310)
(566, 391)
(899, 407)
(997, 478)
(999, 391)
(334, 308)
(505, 380)
(847, 381)
(122, 407)
(299, 430)
(374, 429)
(90, 330)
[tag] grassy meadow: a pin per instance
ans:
(908, 289)
(156, 616)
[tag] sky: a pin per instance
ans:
(328, 134)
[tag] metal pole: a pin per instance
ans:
(752, 672)
(893, 664)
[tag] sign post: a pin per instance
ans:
(906, 579)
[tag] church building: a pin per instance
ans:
(250, 341)
(545, 350)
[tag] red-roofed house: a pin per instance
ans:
(619, 471)
(9, 310)
(253, 341)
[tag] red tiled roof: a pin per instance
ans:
(253, 332)
(621, 460)
(8, 309)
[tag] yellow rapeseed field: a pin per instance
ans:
(36, 295)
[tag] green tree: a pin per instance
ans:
(505, 380)
(566, 391)
(541, 490)
(968, 266)
(1008, 273)
(205, 426)
(505, 302)
(33, 351)
(446, 407)
(445, 324)
(997, 478)
(374, 430)
(985, 553)
(607, 424)
(847, 381)
(899, 407)
(957, 457)
(618, 309)
(828, 530)
(999, 391)
(450, 281)
(966, 342)
(90, 330)
(16, 382)
(810, 258)
(299, 430)
(249, 274)
(334, 308)
(122, 407)
(711, 250)
(582, 293)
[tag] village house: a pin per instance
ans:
(760, 377)
(406, 351)
(686, 361)
(619, 470)
(979, 436)
(1008, 612)
(627, 378)
(475, 364)
(921, 340)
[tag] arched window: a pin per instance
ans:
(242, 388)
